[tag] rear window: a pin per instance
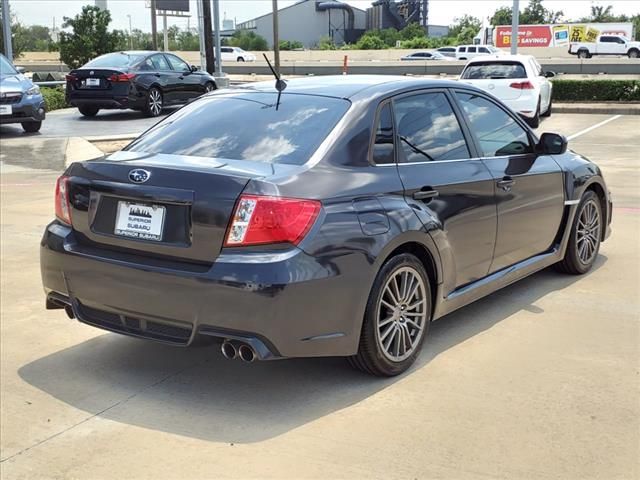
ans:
(494, 70)
(246, 126)
(117, 60)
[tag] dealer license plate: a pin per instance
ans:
(6, 110)
(140, 221)
(92, 82)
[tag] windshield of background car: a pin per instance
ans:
(115, 60)
(496, 70)
(246, 126)
(5, 67)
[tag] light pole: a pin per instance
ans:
(515, 17)
(276, 38)
(130, 33)
(6, 29)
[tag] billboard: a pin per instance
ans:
(173, 5)
(559, 35)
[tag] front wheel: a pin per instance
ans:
(584, 240)
(31, 127)
(396, 318)
(209, 87)
(241, 59)
(153, 108)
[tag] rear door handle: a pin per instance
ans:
(506, 183)
(425, 193)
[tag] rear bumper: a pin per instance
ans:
(525, 105)
(284, 304)
(107, 103)
(26, 111)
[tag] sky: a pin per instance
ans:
(441, 12)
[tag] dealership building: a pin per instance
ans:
(309, 20)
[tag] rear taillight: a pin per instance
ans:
(522, 85)
(70, 77)
(122, 77)
(63, 208)
(259, 220)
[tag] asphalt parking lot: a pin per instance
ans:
(540, 380)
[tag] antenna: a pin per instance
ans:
(280, 84)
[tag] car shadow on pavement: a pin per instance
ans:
(119, 115)
(197, 393)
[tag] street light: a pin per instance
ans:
(130, 33)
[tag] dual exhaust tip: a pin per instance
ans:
(232, 350)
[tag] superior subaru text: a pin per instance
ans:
(338, 217)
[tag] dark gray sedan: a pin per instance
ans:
(337, 218)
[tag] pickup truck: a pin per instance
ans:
(606, 45)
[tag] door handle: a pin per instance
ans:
(425, 193)
(157, 75)
(506, 183)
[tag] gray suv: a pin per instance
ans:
(20, 100)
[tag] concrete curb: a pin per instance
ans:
(78, 150)
(112, 138)
(598, 108)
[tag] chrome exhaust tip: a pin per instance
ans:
(229, 350)
(246, 353)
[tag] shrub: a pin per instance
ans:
(54, 98)
(248, 40)
(596, 90)
(326, 43)
(370, 42)
(290, 45)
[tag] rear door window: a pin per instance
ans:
(383, 145)
(471, 50)
(462, 49)
(495, 70)
(497, 132)
(246, 126)
(159, 62)
(428, 130)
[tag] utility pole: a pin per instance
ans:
(6, 29)
(208, 47)
(154, 28)
(130, 33)
(216, 22)
(276, 40)
(515, 18)
(166, 34)
(203, 60)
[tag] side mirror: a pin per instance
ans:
(21, 69)
(549, 74)
(552, 144)
(194, 68)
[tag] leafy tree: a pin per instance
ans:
(90, 37)
(413, 30)
(502, 16)
(371, 41)
(601, 14)
(18, 36)
(248, 40)
(535, 14)
(465, 28)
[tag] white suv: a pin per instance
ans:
(517, 80)
(236, 54)
(467, 52)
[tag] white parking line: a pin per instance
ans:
(593, 127)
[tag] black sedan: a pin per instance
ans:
(138, 80)
(337, 219)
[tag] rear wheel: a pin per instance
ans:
(153, 108)
(31, 127)
(634, 53)
(535, 121)
(241, 59)
(548, 112)
(396, 319)
(583, 54)
(88, 111)
(584, 240)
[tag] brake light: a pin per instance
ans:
(522, 85)
(63, 208)
(259, 220)
(121, 77)
(70, 77)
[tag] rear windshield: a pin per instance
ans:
(494, 70)
(246, 126)
(117, 60)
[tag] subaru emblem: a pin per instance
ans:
(139, 175)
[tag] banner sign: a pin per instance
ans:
(528, 36)
(559, 35)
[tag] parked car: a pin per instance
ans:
(518, 80)
(467, 52)
(606, 45)
(236, 54)
(139, 80)
(353, 212)
(447, 51)
(20, 100)
(425, 56)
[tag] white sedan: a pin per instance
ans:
(517, 80)
(236, 54)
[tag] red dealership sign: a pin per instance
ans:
(528, 36)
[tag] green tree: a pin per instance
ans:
(90, 37)
(502, 16)
(465, 28)
(18, 35)
(371, 41)
(601, 14)
(248, 40)
(413, 30)
(535, 14)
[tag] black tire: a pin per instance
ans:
(584, 54)
(633, 53)
(372, 357)
(241, 59)
(154, 104)
(209, 87)
(88, 111)
(31, 127)
(535, 121)
(548, 112)
(574, 262)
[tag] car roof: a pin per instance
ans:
(501, 58)
(351, 86)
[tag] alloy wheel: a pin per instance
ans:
(401, 314)
(209, 88)
(155, 102)
(588, 232)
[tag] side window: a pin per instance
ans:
(226, 50)
(383, 142)
(605, 39)
(160, 63)
(462, 49)
(471, 50)
(619, 40)
(146, 66)
(428, 130)
(177, 64)
(498, 133)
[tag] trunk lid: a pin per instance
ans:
(98, 81)
(498, 87)
(180, 212)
